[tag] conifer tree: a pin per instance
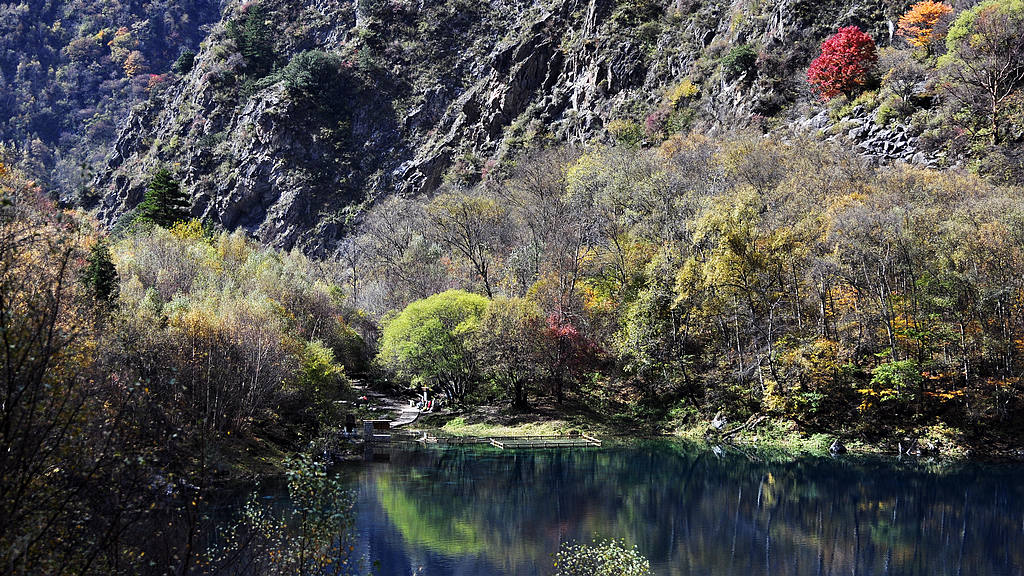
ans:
(253, 37)
(164, 203)
(100, 276)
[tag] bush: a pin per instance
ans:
(223, 325)
(892, 108)
(185, 63)
(314, 535)
(601, 558)
(626, 131)
(313, 73)
(321, 379)
(740, 62)
(894, 385)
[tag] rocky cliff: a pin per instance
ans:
(300, 113)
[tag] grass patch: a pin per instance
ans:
(773, 435)
(459, 427)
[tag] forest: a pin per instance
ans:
(652, 280)
(70, 69)
(646, 289)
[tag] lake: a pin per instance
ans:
(690, 510)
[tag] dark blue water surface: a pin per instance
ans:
(480, 511)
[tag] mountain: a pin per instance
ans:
(70, 69)
(297, 114)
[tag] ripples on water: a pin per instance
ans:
(480, 511)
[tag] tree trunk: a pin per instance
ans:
(995, 120)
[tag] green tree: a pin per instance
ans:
(321, 377)
(165, 203)
(428, 343)
(985, 60)
(654, 339)
(252, 36)
(100, 275)
(185, 63)
(509, 342)
(474, 226)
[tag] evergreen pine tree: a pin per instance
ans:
(100, 276)
(164, 203)
(253, 37)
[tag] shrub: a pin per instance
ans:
(321, 377)
(681, 92)
(635, 13)
(313, 73)
(893, 385)
(314, 535)
(626, 131)
(657, 121)
(846, 61)
(893, 108)
(185, 63)
(601, 558)
(740, 62)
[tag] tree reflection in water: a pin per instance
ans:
(690, 511)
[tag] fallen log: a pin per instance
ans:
(752, 422)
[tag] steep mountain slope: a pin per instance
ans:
(402, 96)
(69, 70)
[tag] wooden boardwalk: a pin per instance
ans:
(534, 442)
(515, 442)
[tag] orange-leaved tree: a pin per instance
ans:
(918, 24)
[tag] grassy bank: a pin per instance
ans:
(775, 435)
(460, 427)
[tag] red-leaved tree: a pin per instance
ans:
(845, 62)
(571, 353)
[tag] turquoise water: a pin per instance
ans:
(691, 511)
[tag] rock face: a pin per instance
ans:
(883, 144)
(430, 92)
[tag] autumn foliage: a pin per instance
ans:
(846, 60)
(918, 24)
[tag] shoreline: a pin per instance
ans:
(928, 445)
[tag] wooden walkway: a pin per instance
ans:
(514, 442)
(545, 442)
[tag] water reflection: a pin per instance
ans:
(482, 511)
